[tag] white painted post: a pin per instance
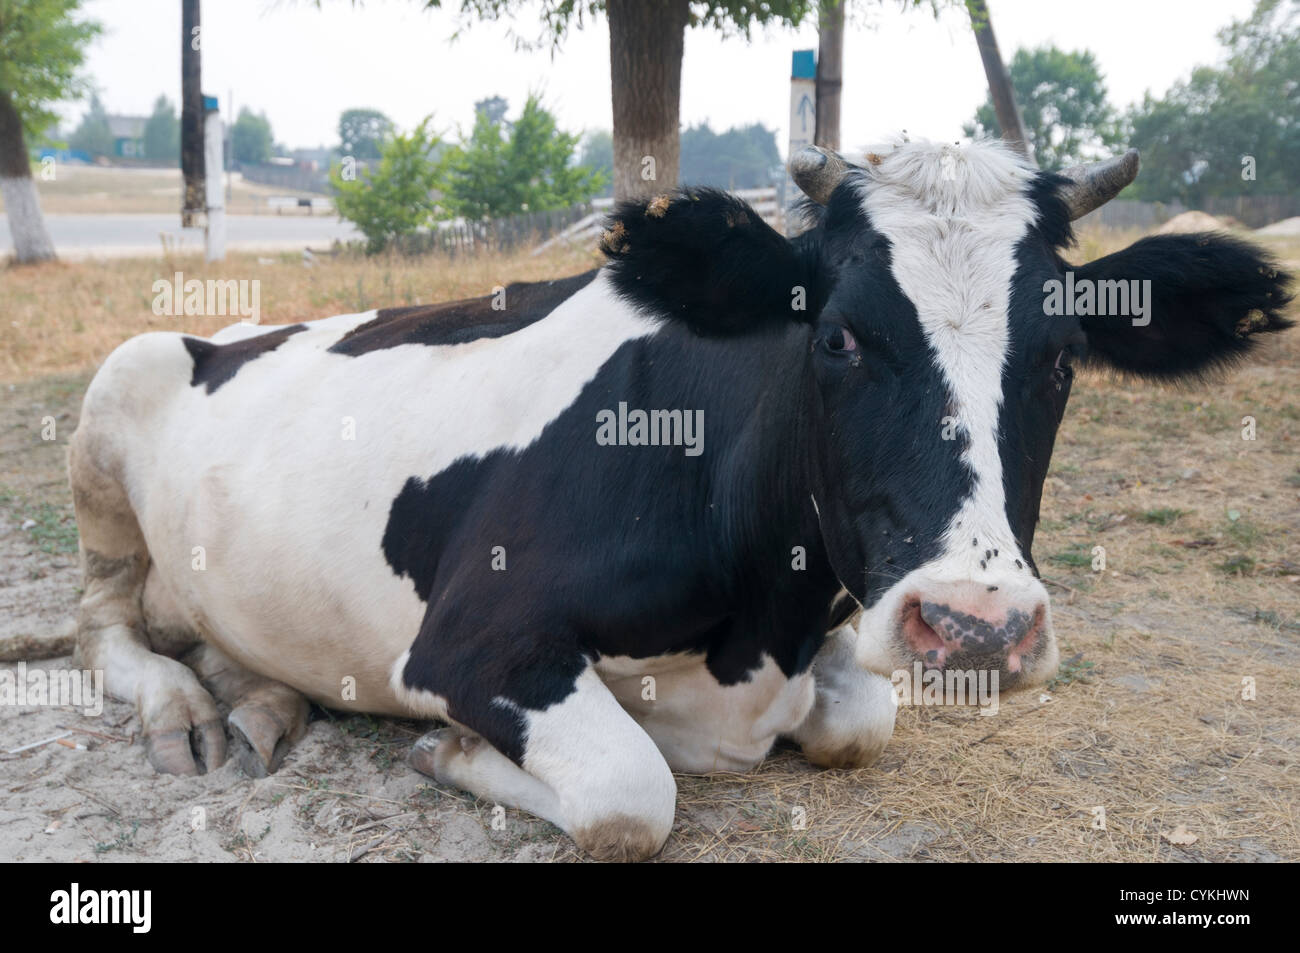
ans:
(213, 160)
(803, 120)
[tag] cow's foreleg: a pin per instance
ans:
(182, 728)
(587, 767)
(852, 718)
(266, 716)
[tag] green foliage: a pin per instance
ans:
(598, 153)
(526, 167)
(744, 157)
(1062, 99)
(362, 133)
(42, 48)
(250, 137)
(732, 17)
(162, 133)
(92, 134)
(1194, 139)
(397, 198)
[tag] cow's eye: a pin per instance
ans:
(841, 339)
(1062, 371)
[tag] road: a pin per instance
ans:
(122, 236)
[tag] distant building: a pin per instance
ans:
(317, 160)
(128, 135)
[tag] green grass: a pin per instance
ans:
(1161, 517)
(1237, 566)
(1078, 556)
(53, 528)
(1073, 669)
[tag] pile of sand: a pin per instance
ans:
(1192, 221)
(1286, 227)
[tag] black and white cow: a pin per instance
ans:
(456, 513)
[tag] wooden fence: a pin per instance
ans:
(578, 225)
(1253, 211)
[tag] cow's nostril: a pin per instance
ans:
(923, 639)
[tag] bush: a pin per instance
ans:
(397, 199)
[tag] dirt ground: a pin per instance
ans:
(1143, 748)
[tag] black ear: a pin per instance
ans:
(1209, 294)
(705, 257)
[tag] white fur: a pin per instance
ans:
(953, 217)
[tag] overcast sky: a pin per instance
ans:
(302, 65)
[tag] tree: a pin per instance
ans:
(92, 135)
(494, 107)
(250, 137)
(744, 157)
(398, 197)
(646, 40)
(1001, 94)
(362, 133)
(1228, 130)
(42, 49)
(527, 167)
(162, 133)
(1062, 97)
(598, 153)
(830, 72)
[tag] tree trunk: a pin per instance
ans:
(830, 73)
(646, 38)
(22, 205)
(1004, 99)
(193, 199)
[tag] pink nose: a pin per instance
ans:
(966, 626)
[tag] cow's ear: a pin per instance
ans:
(1208, 295)
(706, 258)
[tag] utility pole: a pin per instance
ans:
(830, 73)
(193, 197)
(1004, 99)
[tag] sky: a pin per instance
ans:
(302, 63)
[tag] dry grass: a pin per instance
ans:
(1201, 590)
(66, 317)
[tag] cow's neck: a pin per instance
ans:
(755, 482)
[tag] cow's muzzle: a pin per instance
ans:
(975, 626)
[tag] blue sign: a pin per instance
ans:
(803, 64)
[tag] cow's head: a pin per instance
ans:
(941, 345)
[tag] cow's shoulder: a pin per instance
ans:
(458, 322)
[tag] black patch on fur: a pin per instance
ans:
(1054, 222)
(706, 258)
(458, 322)
(215, 364)
(1210, 294)
(622, 550)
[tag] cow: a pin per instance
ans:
(643, 520)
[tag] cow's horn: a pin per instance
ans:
(817, 171)
(1093, 185)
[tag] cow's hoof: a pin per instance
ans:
(260, 739)
(199, 749)
(432, 753)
